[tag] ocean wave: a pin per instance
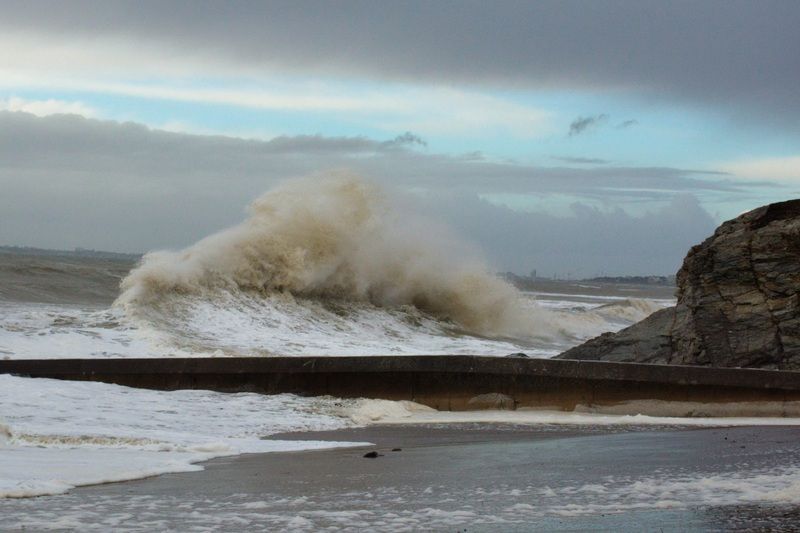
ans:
(323, 267)
(628, 311)
(339, 241)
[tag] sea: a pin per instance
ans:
(331, 270)
(67, 305)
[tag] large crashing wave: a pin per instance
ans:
(337, 265)
(337, 240)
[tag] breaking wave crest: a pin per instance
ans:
(342, 244)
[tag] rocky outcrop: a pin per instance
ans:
(738, 301)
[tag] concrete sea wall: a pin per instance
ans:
(456, 382)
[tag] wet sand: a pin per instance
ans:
(461, 477)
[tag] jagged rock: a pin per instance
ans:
(738, 301)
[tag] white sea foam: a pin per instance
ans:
(402, 414)
(771, 486)
(407, 508)
(628, 311)
(50, 331)
(58, 434)
(239, 324)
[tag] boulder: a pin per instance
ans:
(737, 301)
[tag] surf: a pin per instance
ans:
(340, 242)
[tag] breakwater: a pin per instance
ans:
(443, 382)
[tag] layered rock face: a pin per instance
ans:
(738, 301)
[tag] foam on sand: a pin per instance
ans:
(533, 417)
(58, 434)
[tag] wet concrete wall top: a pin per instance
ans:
(438, 364)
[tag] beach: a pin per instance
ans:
(461, 477)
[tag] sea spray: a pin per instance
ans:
(339, 241)
(333, 267)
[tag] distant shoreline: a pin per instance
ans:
(521, 282)
(77, 252)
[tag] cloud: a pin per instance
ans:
(407, 139)
(295, 99)
(43, 108)
(779, 169)
(77, 144)
(430, 110)
(585, 242)
(580, 160)
(71, 181)
(581, 124)
(735, 59)
(436, 110)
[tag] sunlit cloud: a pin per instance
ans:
(43, 108)
(288, 100)
(115, 66)
(779, 169)
(453, 112)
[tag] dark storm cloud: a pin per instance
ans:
(590, 242)
(581, 124)
(627, 124)
(71, 181)
(406, 139)
(739, 55)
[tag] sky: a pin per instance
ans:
(574, 138)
